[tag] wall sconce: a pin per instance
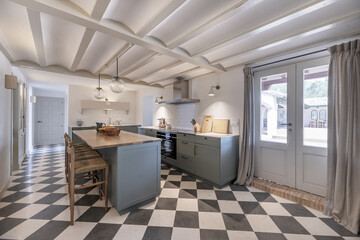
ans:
(33, 99)
(11, 82)
(157, 99)
(212, 92)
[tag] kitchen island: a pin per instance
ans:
(134, 162)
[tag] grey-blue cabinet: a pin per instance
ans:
(207, 160)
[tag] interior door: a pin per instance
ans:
(311, 131)
(274, 121)
(50, 120)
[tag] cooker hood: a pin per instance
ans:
(181, 93)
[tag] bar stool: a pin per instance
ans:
(96, 164)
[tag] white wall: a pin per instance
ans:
(5, 123)
(90, 117)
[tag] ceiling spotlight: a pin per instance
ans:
(212, 92)
(117, 85)
(157, 100)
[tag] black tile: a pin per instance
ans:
(50, 212)
(52, 169)
(337, 227)
(175, 172)
(206, 205)
(49, 231)
(87, 200)
(289, 225)
(327, 238)
(186, 219)
(213, 234)
(237, 222)
(51, 180)
(202, 185)
(172, 184)
(270, 236)
(163, 177)
(188, 178)
(242, 188)
(20, 186)
(50, 198)
(15, 196)
(164, 167)
(139, 217)
(85, 190)
(93, 214)
(225, 195)
(50, 174)
(51, 188)
(263, 197)
(103, 231)
(81, 181)
(188, 193)
(8, 223)
(166, 203)
(252, 208)
(23, 179)
(157, 233)
(297, 210)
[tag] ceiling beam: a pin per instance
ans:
(98, 12)
(35, 24)
(138, 64)
(223, 16)
(61, 10)
(124, 49)
(160, 69)
(6, 53)
(195, 76)
(159, 16)
(286, 17)
(175, 75)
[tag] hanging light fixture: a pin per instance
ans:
(117, 85)
(212, 92)
(99, 93)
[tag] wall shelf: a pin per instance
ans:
(104, 105)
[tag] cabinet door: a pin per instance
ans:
(207, 162)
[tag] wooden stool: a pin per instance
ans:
(96, 164)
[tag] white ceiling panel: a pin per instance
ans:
(133, 56)
(242, 23)
(288, 29)
(101, 49)
(190, 15)
(133, 14)
(61, 40)
(85, 5)
(15, 32)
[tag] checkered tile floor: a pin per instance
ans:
(35, 206)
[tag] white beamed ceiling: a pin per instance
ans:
(159, 40)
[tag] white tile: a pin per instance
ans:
(227, 188)
(185, 204)
(37, 179)
(61, 181)
(162, 183)
(165, 172)
(315, 226)
(281, 200)
(24, 229)
(133, 232)
(63, 189)
(229, 206)
(65, 215)
(34, 188)
(252, 189)
(112, 216)
(7, 193)
(209, 220)
(29, 211)
(169, 193)
(244, 196)
(298, 237)
(316, 212)
(185, 234)
(4, 204)
(79, 231)
(65, 199)
(31, 198)
(241, 235)
(206, 194)
(275, 209)
(101, 203)
(262, 223)
(162, 218)
(351, 238)
(188, 185)
(174, 178)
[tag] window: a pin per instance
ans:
(322, 115)
(314, 115)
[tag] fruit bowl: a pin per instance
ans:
(112, 131)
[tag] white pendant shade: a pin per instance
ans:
(99, 93)
(117, 85)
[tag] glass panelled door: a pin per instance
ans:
(291, 115)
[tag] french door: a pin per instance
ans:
(291, 125)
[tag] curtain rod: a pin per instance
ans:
(290, 58)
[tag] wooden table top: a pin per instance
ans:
(100, 140)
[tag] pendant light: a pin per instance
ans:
(99, 93)
(117, 85)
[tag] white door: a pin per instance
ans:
(49, 120)
(291, 120)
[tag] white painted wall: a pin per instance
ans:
(90, 117)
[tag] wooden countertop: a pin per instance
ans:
(99, 140)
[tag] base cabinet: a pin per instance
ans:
(207, 162)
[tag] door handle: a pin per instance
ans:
(288, 124)
(195, 150)
(40, 121)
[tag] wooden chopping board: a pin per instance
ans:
(221, 126)
(207, 124)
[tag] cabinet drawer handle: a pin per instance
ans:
(184, 142)
(205, 138)
(195, 150)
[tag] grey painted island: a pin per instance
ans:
(134, 162)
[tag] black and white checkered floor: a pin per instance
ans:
(35, 206)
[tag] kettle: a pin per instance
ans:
(100, 125)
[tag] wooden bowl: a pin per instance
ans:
(112, 131)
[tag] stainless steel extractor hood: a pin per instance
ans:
(181, 93)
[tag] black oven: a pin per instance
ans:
(168, 144)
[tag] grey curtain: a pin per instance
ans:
(246, 148)
(343, 193)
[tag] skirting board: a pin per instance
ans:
(6, 185)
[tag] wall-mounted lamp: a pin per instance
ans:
(157, 99)
(11, 82)
(212, 92)
(33, 99)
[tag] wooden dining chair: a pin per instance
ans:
(93, 165)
